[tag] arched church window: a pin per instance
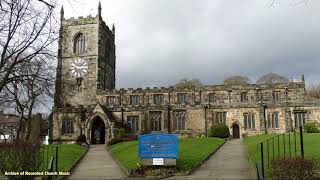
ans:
(79, 43)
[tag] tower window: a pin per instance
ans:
(79, 43)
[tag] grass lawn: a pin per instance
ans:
(67, 156)
(311, 146)
(190, 152)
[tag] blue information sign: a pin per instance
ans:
(158, 146)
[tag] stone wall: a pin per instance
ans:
(227, 99)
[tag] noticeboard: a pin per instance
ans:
(158, 146)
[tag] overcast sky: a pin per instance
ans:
(159, 42)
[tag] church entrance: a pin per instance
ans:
(98, 131)
(235, 131)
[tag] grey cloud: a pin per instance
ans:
(160, 42)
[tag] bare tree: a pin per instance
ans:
(314, 91)
(27, 31)
(33, 90)
(186, 83)
(272, 78)
(237, 79)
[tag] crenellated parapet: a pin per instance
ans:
(80, 21)
(216, 96)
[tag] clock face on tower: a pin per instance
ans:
(79, 67)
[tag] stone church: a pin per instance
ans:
(86, 101)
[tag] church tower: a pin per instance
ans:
(86, 60)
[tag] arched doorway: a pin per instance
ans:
(235, 131)
(98, 131)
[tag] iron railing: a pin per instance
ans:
(283, 145)
(45, 154)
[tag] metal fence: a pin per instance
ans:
(289, 144)
(47, 153)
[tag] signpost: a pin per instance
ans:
(158, 149)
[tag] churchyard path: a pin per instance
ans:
(97, 164)
(229, 162)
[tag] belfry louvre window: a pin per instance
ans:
(221, 117)
(275, 95)
(133, 123)
(244, 97)
(249, 121)
(299, 119)
(273, 120)
(182, 98)
(155, 120)
(79, 44)
(134, 100)
(67, 126)
(158, 99)
(180, 120)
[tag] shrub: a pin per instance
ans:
(219, 130)
(125, 138)
(121, 132)
(19, 156)
(292, 168)
(311, 128)
(244, 135)
(115, 141)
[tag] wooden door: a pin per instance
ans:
(235, 131)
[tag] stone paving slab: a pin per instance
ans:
(97, 164)
(229, 162)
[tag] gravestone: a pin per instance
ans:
(158, 149)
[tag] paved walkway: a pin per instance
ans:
(3, 177)
(97, 164)
(229, 162)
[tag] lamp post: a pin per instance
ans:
(205, 119)
(264, 117)
(229, 95)
(257, 90)
(286, 93)
(264, 106)
(169, 124)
